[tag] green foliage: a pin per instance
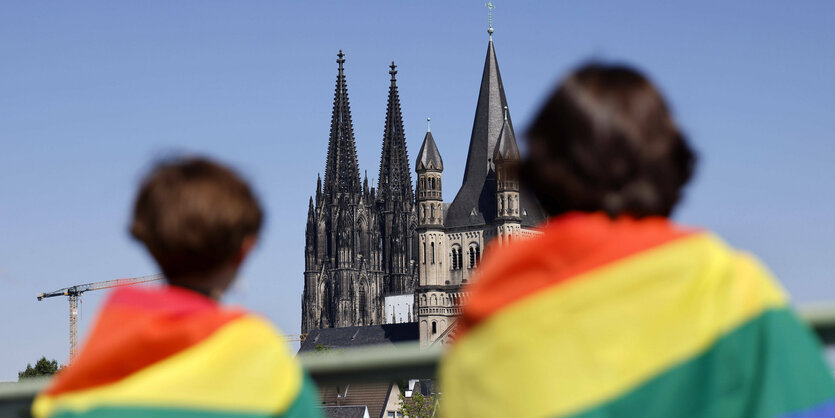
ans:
(418, 406)
(319, 347)
(43, 367)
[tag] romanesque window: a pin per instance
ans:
(472, 257)
(434, 327)
(433, 253)
(457, 258)
(475, 255)
(424, 253)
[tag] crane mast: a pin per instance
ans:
(73, 294)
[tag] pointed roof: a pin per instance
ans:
(395, 181)
(506, 148)
(310, 210)
(429, 157)
(341, 171)
(478, 191)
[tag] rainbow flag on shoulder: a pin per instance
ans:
(630, 318)
(175, 353)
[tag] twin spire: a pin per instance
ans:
(342, 170)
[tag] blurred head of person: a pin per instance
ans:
(199, 220)
(605, 141)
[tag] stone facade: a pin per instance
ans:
(419, 244)
(358, 239)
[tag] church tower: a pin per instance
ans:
(506, 164)
(489, 205)
(395, 201)
(431, 240)
(342, 286)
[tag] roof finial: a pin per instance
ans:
(393, 71)
(427, 124)
(505, 113)
(490, 8)
(341, 59)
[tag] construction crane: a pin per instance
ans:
(73, 293)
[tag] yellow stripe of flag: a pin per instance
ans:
(598, 335)
(245, 366)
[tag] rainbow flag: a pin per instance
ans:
(175, 353)
(626, 318)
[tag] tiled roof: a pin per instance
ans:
(344, 411)
(372, 395)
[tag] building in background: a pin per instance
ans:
(368, 251)
(359, 239)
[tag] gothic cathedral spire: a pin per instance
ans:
(395, 182)
(342, 171)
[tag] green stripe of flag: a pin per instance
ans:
(769, 366)
(305, 405)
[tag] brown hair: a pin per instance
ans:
(193, 215)
(605, 141)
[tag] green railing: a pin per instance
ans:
(384, 363)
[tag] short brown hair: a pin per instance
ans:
(193, 215)
(605, 141)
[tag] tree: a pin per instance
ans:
(43, 367)
(418, 406)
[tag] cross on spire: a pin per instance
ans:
(393, 71)
(341, 59)
(490, 8)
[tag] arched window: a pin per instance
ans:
(434, 327)
(475, 255)
(433, 253)
(424, 253)
(455, 259)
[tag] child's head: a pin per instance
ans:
(606, 141)
(197, 218)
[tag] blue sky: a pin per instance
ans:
(92, 92)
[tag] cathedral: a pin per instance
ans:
(398, 254)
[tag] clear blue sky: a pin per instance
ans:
(92, 92)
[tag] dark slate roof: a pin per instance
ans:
(506, 148)
(357, 411)
(478, 191)
(357, 336)
(372, 395)
(429, 157)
